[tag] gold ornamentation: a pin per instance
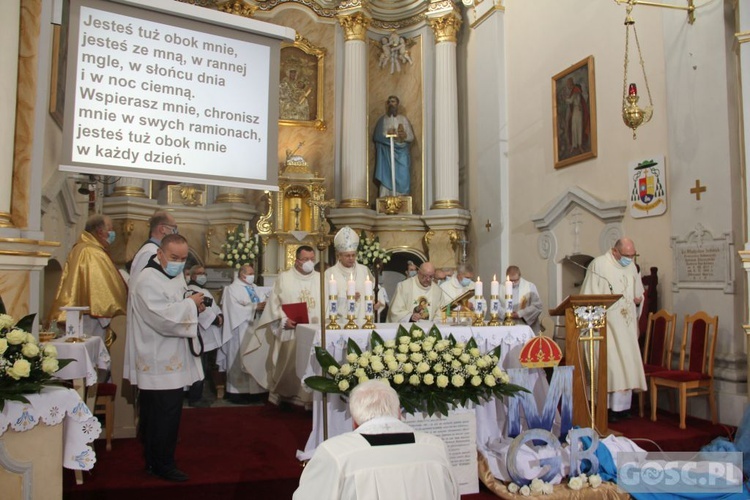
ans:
(386, 205)
(428, 237)
(238, 8)
(454, 236)
(128, 228)
(441, 204)
(310, 55)
(129, 191)
(185, 194)
(5, 220)
(264, 226)
(355, 26)
(392, 204)
(209, 234)
(445, 28)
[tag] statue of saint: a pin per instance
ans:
(395, 127)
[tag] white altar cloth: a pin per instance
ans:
(52, 406)
(88, 357)
(490, 415)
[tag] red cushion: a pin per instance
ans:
(106, 389)
(649, 369)
(680, 375)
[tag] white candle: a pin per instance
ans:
(478, 290)
(350, 285)
(508, 286)
(247, 229)
(368, 287)
(495, 286)
(333, 287)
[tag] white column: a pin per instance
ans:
(354, 116)
(132, 187)
(9, 35)
(446, 111)
(743, 38)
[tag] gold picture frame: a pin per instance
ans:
(574, 113)
(301, 84)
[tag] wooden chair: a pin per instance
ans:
(657, 347)
(105, 405)
(697, 377)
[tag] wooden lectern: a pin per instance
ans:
(575, 355)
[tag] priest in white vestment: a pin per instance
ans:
(300, 284)
(461, 282)
(348, 269)
(615, 273)
(527, 306)
(210, 329)
(241, 302)
(417, 298)
(162, 322)
(381, 459)
(160, 224)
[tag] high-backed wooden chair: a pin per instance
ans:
(696, 378)
(657, 347)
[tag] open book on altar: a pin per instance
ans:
(297, 312)
(460, 303)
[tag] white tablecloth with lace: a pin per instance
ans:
(52, 406)
(490, 415)
(89, 357)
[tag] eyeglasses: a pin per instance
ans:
(171, 228)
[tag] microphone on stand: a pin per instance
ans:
(567, 257)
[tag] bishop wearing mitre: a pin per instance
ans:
(348, 269)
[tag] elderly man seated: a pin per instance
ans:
(383, 458)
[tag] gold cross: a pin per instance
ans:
(488, 225)
(698, 189)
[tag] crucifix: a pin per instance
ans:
(464, 243)
(488, 225)
(698, 189)
(575, 222)
(297, 209)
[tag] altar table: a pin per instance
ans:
(34, 454)
(490, 415)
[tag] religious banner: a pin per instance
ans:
(648, 194)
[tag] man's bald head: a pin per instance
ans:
(425, 274)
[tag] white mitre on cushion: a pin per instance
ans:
(346, 240)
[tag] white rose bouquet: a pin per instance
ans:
(239, 249)
(429, 373)
(369, 251)
(25, 365)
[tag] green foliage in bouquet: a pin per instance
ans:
(239, 249)
(369, 251)
(25, 366)
(430, 373)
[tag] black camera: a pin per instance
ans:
(208, 301)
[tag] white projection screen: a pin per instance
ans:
(158, 96)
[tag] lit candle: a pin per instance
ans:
(368, 287)
(333, 287)
(495, 286)
(478, 290)
(508, 286)
(350, 285)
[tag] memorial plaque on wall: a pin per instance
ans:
(702, 261)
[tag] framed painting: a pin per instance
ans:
(574, 113)
(301, 84)
(58, 70)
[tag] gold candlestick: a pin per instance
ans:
(494, 311)
(478, 311)
(350, 307)
(369, 310)
(509, 311)
(332, 313)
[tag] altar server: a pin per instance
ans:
(298, 285)
(416, 298)
(162, 321)
(241, 301)
(381, 459)
(527, 306)
(160, 224)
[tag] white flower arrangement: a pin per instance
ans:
(369, 251)
(583, 481)
(25, 365)
(537, 487)
(240, 248)
(430, 373)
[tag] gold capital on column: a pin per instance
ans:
(446, 28)
(355, 26)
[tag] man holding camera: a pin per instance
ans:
(211, 333)
(162, 322)
(240, 302)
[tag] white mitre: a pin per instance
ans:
(346, 240)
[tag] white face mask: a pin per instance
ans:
(201, 279)
(308, 267)
(249, 279)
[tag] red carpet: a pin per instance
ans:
(667, 434)
(243, 452)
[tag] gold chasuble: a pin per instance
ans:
(91, 279)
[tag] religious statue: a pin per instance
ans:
(393, 137)
(394, 49)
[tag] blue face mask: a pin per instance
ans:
(174, 268)
(465, 282)
(625, 261)
(111, 237)
(412, 273)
